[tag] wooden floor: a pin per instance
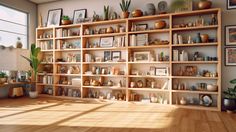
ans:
(65, 115)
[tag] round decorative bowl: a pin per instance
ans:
(204, 5)
(212, 88)
(109, 30)
(3, 80)
(204, 38)
(160, 24)
(65, 22)
(137, 13)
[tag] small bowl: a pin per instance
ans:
(160, 24)
(137, 13)
(212, 88)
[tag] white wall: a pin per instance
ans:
(228, 18)
(28, 7)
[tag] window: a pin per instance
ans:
(13, 27)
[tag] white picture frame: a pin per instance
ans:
(161, 71)
(79, 15)
(106, 41)
(54, 17)
(142, 56)
(230, 37)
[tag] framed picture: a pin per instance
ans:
(161, 71)
(141, 56)
(107, 56)
(106, 42)
(54, 17)
(116, 55)
(79, 15)
(230, 35)
(230, 56)
(231, 4)
(141, 27)
(142, 39)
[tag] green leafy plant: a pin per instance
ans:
(230, 93)
(177, 5)
(106, 12)
(3, 75)
(33, 60)
(65, 18)
(124, 5)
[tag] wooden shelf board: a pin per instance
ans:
(196, 12)
(108, 48)
(70, 26)
(148, 89)
(104, 62)
(68, 75)
(42, 74)
(150, 31)
(194, 62)
(149, 46)
(95, 75)
(105, 87)
(104, 22)
(153, 62)
(62, 85)
(192, 77)
(44, 28)
(44, 39)
(47, 50)
(153, 17)
(104, 35)
(198, 107)
(67, 63)
(141, 76)
(67, 50)
(195, 28)
(69, 37)
(195, 44)
(42, 84)
(194, 92)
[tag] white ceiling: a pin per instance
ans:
(42, 1)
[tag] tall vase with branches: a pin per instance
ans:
(34, 63)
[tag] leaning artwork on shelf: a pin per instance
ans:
(141, 56)
(54, 17)
(230, 56)
(79, 16)
(230, 35)
(116, 56)
(106, 42)
(231, 4)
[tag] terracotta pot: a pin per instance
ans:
(160, 24)
(109, 30)
(137, 13)
(204, 5)
(204, 38)
(125, 14)
(65, 22)
(3, 80)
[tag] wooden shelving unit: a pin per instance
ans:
(50, 35)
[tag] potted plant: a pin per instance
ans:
(106, 12)
(230, 97)
(3, 77)
(34, 63)
(65, 20)
(124, 5)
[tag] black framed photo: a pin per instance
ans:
(231, 4)
(107, 56)
(106, 42)
(79, 15)
(230, 56)
(142, 27)
(54, 17)
(116, 55)
(230, 35)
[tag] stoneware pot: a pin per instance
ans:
(230, 104)
(137, 13)
(150, 9)
(109, 30)
(3, 80)
(183, 101)
(65, 22)
(33, 94)
(212, 88)
(160, 24)
(204, 4)
(125, 14)
(204, 38)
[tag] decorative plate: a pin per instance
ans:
(162, 6)
(206, 100)
(140, 84)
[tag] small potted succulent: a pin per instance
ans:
(230, 98)
(3, 77)
(65, 20)
(124, 5)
